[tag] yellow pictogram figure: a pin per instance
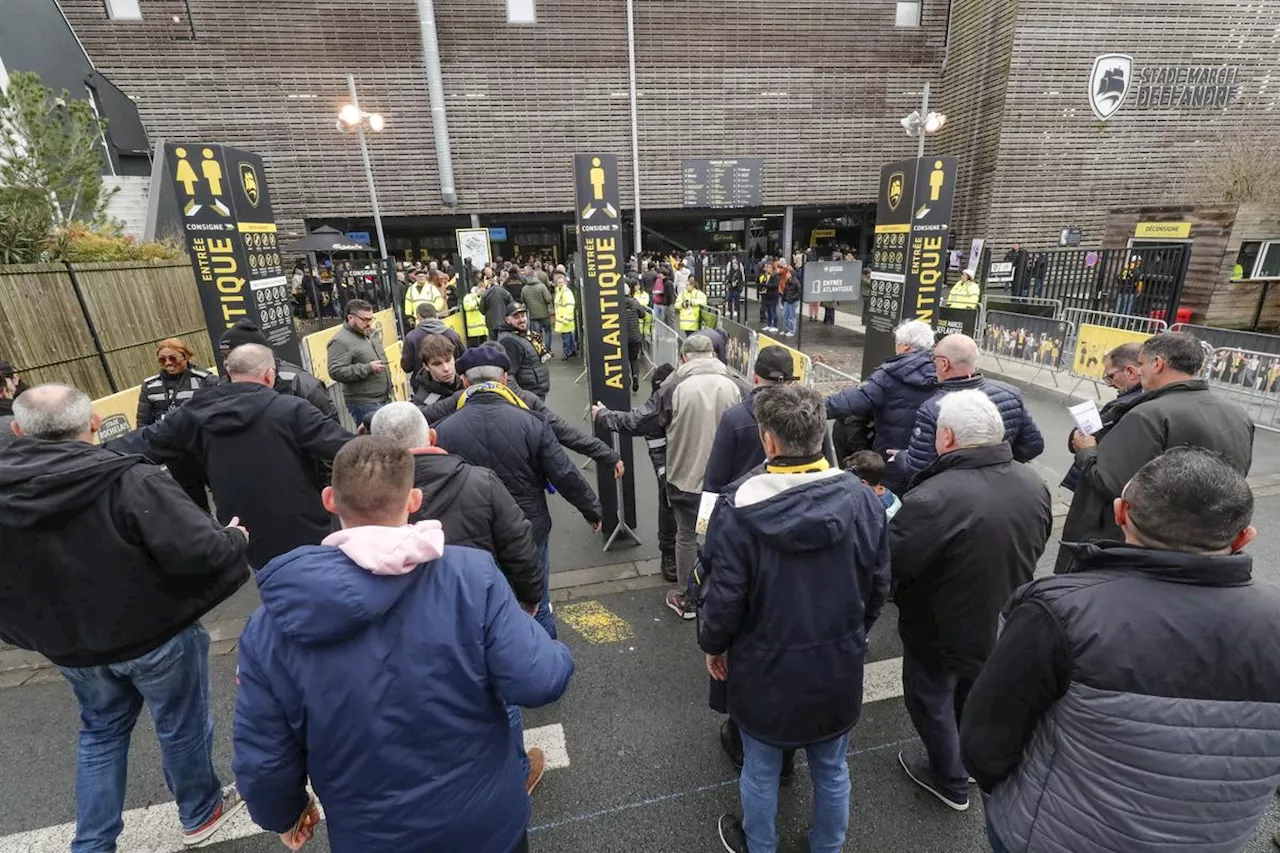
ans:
(212, 171)
(185, 174)
(597, 179)
(936, 177)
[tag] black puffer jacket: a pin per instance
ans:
(297, 382)
(477, 511)
(522, 450)
(633, 314)
(105, 559)
(526, 367)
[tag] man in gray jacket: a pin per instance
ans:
(537, 298)
(358, 361)
(1175, 409)
(1135, 704)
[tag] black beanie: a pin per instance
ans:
(243, 332)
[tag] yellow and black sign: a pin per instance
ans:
(603, 304)
(1162, 231)
(1094, 342)
(930, 223)
(231, 237)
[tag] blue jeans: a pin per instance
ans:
(568, 345)
(790, 314)
(758, 788)
(997, 846)
(359, 411)
(771, 314)
(660, 311)
(546, 618)
(733, 302)
(173, 681)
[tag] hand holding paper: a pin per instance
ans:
(1086, 416)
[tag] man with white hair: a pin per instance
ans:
(968, 534)
(108, 568)
(262, 453)
(955, 359)
(891, 396)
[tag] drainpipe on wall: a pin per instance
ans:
(435, 88)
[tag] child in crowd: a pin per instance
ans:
(869, 466)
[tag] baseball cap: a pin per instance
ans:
(775, 364)
(516, 308)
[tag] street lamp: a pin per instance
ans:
(922, 123)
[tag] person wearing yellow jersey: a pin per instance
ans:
(965, 293)
(565, 323)
(473, 317)
(691, 302)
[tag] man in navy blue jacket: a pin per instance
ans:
(736, 448)
(378, 667)
(797, 571)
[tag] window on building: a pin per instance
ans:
(123, 10)
(521, 12)
(1258, 259)
(908, 13)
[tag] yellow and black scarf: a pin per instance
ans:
(491, 388)
(797, 465)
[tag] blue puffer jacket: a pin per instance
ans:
(387, 691)
(892, 395)
(1019, 429)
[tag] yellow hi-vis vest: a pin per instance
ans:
(646, 319)
(690, 304)
(963, 295)
(473, 316)
(564, 305)
(414, 294)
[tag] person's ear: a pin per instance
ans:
(415, 501)
(95, 422)
(1121, 510)
(431, 437)
(17, 430)
(326, 498)
(1243, 538)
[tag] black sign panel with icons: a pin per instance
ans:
(956, 321)
(930, 227)
(603, 305)
(888, 260)
(735, 182)
(231, 237)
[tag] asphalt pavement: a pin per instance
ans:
(636, 759)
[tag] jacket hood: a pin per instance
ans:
(700, 367)
(41, 478)
(1174, 566)
(799, 512)
(232, 407)
(913, 368)
(321, 594)
(432, 326)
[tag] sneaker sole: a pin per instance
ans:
(683, 614)
(201, 840)
(951, 804)
(723, 841)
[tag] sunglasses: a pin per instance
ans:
(165, 359)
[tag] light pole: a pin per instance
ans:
(635, 124)
(351, 117)
(923, 123)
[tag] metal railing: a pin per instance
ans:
(662, 344)
(1249, 378)
(1043, 342)
(828, 380)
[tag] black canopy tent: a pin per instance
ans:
(327, 240)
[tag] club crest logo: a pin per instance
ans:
(1109, 83)
(896, 181)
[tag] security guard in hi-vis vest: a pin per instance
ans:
(176, 383)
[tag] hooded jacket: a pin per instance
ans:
(892, 396)
(262, 453)
(1134, 706)
(477, 511)
(967, 535)
(522, 450)
(378, 667)
(297, 382)
(350, 353)
(797, 570)
(495, 301)
(105, 557)
(409, 361)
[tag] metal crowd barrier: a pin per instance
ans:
(1098, 332)
(662, 344)
(1042, 342)
(1249, 378)
(743, 343)
(828, 380)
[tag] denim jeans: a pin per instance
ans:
(568, 345)
(771, 314)
(997, 846)
(733, 304)
(359, 411)
(790, 313)
(546, 616)
(758, 788)
(173, 681)
(660, 311)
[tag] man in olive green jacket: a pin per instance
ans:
(358, 362)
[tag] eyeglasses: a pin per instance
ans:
(368, 319)
(1110, 376)
(165, 359)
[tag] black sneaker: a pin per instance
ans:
(919, 771)
(731, 743)
(683, 607)
(669, 567)
(731, 834)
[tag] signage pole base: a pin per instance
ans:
(622, 524)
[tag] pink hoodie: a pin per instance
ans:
(390, 550)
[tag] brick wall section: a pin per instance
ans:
(813, 88)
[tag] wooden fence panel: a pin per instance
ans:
(83, 373)
(41, 323)
(134, 303)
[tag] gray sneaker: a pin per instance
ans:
(919, 771)
(683, 607)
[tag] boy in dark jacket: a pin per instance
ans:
(797, 571)
(385, 628)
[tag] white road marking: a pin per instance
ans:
(882, 680)
(155, 829)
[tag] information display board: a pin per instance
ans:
(723, 183)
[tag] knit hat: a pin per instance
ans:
(775, 364)
(485, 355)
(243, 332)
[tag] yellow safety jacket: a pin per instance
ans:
(473, 316)
(963, 295)
(646, 319)
(564, 305)
(690, 304)
(414, 294)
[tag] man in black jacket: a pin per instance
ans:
(495, 300)
(968, 534)
(494, 428)
(525, 351)
(471, 504)
(290, 378)
(108, 568)
(1175, 409)
(261, 451)
(797, 563)
(175, 384)
(1135, 704)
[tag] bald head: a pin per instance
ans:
(54, 412)
(956, 357)
(252, 363)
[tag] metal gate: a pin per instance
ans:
(1140, 281)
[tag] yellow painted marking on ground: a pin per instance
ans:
(595, 622)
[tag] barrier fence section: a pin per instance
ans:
(741, 346)
(662, 345)
(1099, 332)
(1250, 378)
(1028, 338)
(828, 380)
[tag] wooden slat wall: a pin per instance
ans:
(40, 318)
(1234, 305)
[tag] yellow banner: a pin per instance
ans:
(257, 227)
(798, 358)
(1094, 342)
(399, 379)
(1162, 230)
(118, 413)
(901, 228)
(316, 345)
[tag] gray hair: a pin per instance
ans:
(53, 412)
(795, 415)
(402, 423)
(697, 346)
(250, 361)
(915, 333)
(961, 350)
(972, 418)
(1189, 499)
(485, 373)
